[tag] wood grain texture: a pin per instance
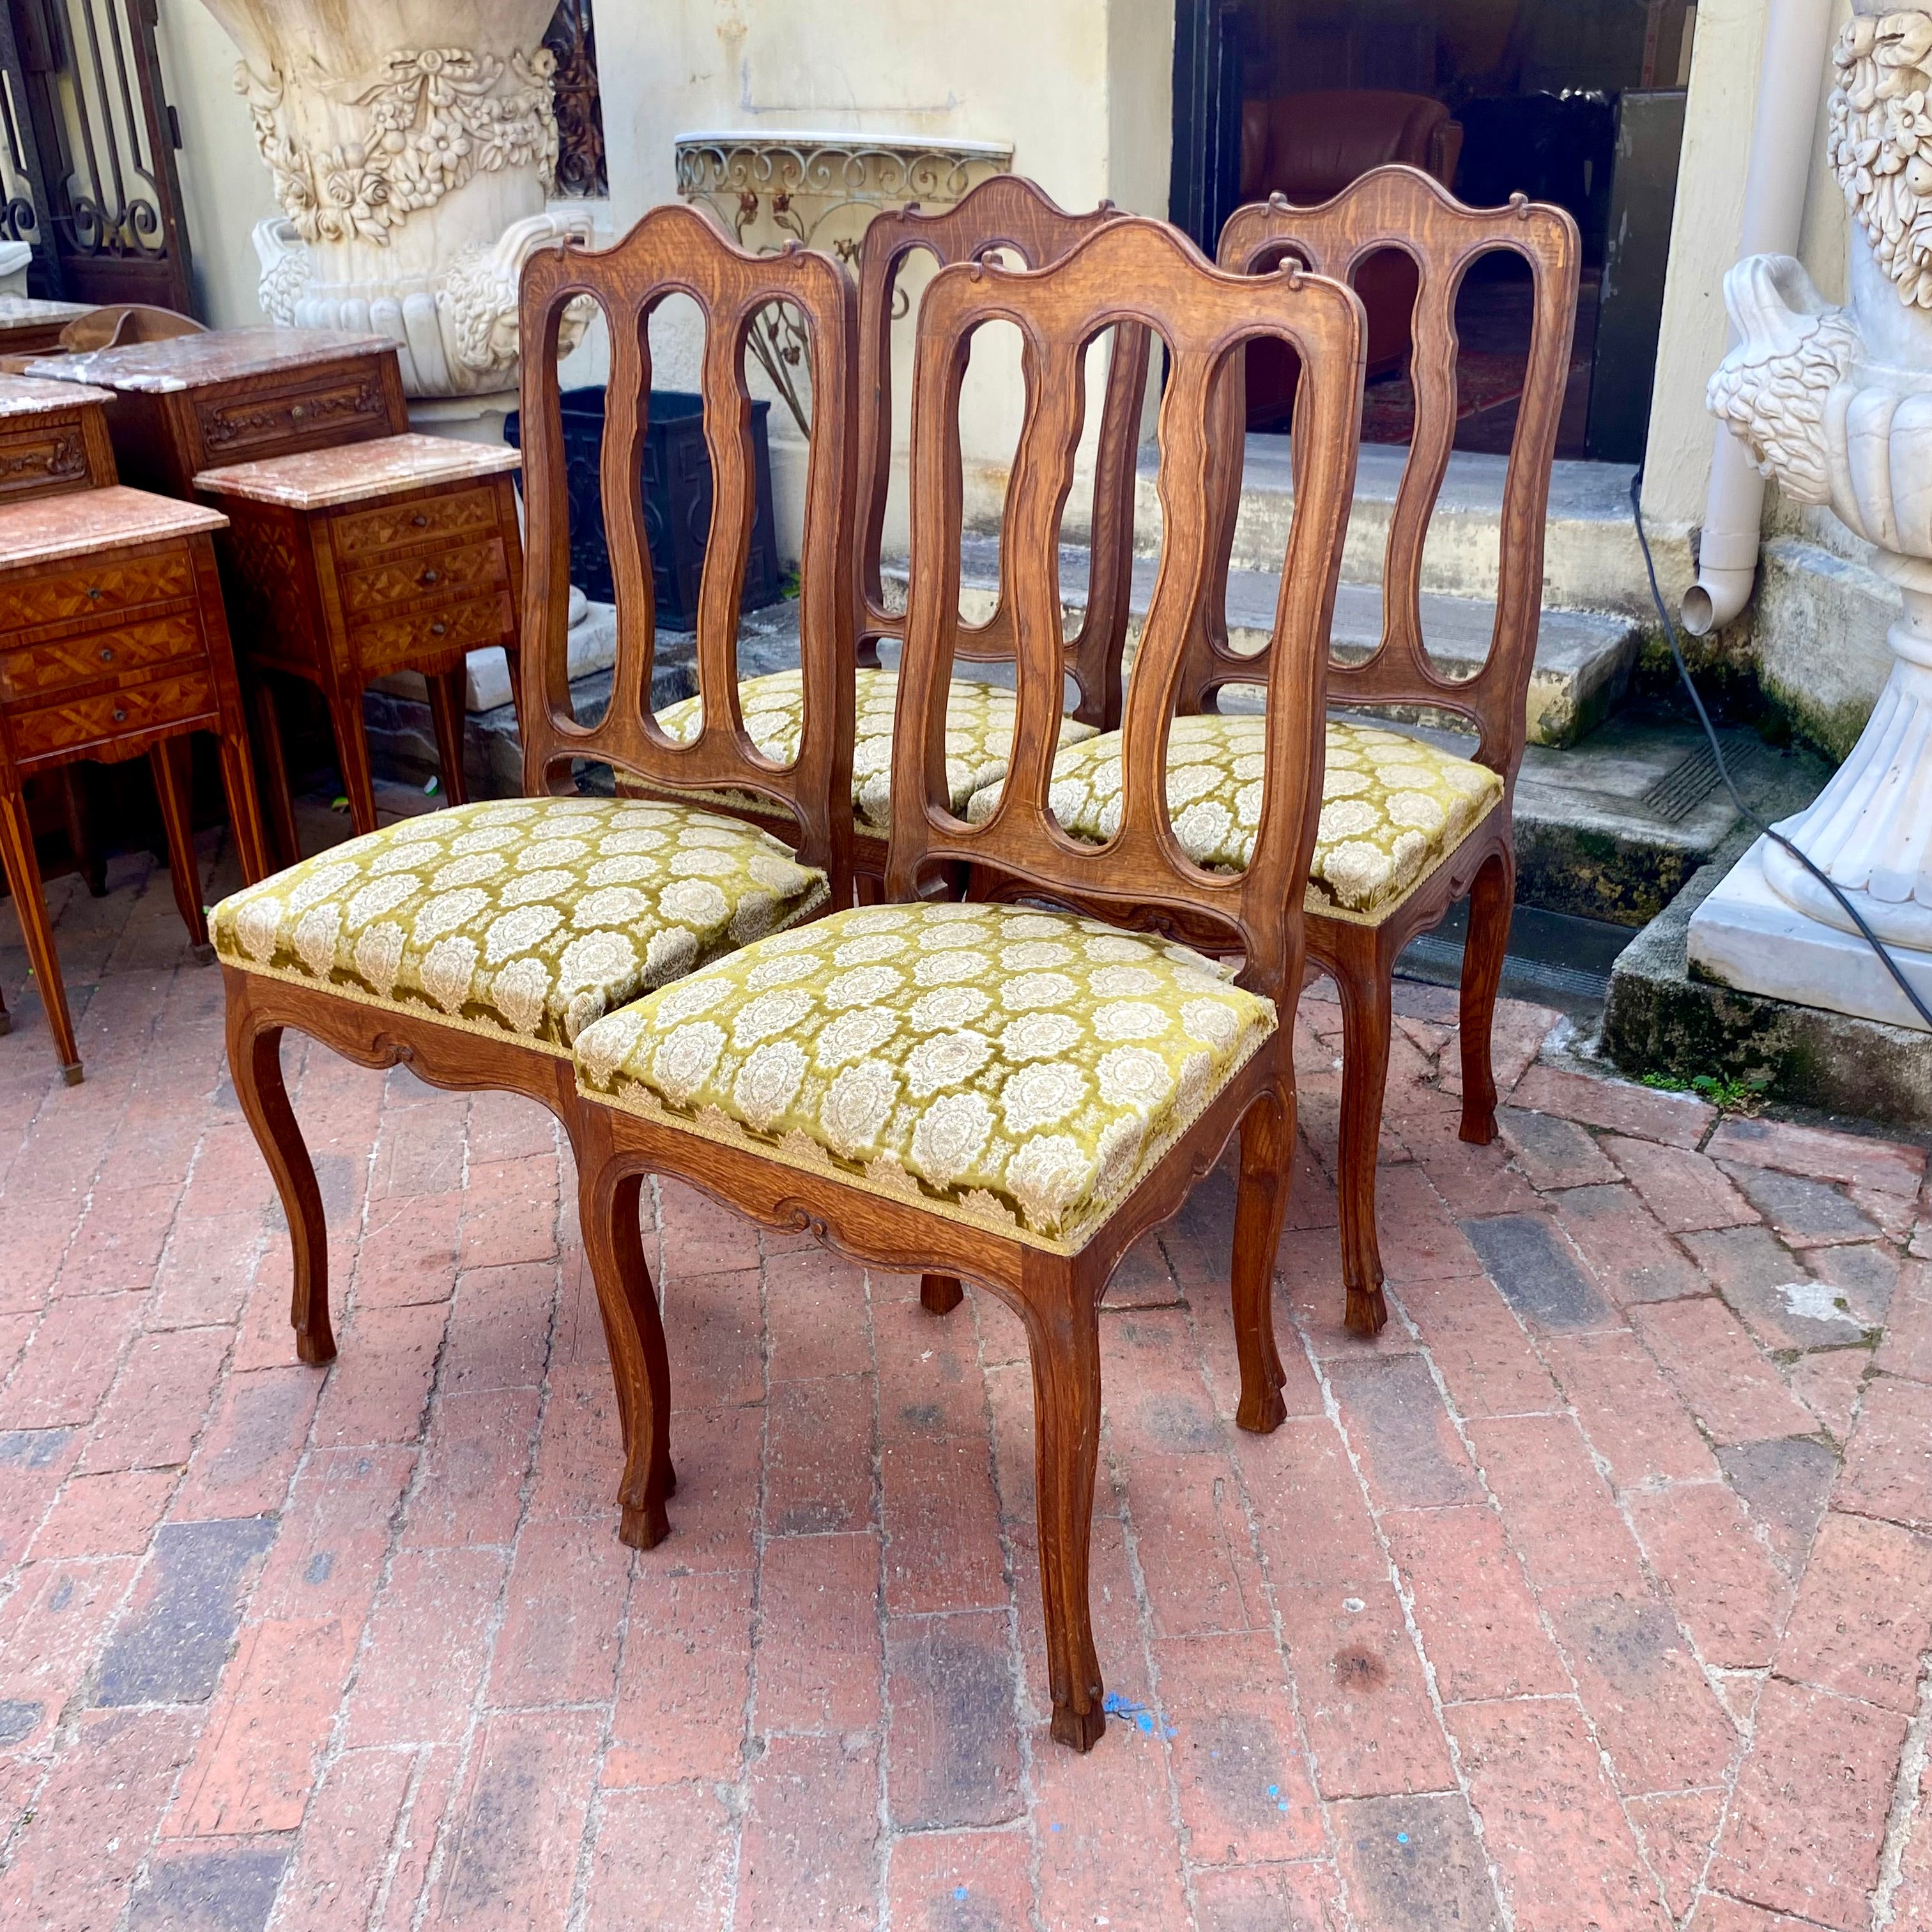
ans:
(1142, 275)
(1402, 207)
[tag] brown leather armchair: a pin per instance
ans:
(1308, 147)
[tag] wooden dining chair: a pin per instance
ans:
(1002, 1093)
(474, 943)
(1005, 213)
(1407, 827)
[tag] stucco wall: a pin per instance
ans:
(224, 186)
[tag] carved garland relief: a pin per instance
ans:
(432, 121)
(1880, 142)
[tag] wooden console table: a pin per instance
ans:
(345, 564)
(112, 643)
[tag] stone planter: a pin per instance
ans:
(412, 149)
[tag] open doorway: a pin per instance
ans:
(1577, 102)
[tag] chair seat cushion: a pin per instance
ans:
(1393, 807)
(978, 734)
(1017, 1069)
(526, 917)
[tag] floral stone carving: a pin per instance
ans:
(413, 180)
(1836, 405)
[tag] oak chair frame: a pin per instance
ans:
(1143, 272)
(1005, 212)
(671, 251)
(1401, 207)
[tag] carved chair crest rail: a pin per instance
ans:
(1005, 1093)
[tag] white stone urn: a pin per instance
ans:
(413, 146)
(1836, 404)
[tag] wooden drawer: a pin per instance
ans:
(395, 643)
(82, 721)
(66, 663)
(397, 526)
(96, 589)
(339, 408)
(42, 454)
(453, 571)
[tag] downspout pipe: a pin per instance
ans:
(1797, 37)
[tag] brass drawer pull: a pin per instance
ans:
(420, 521)
(430, 577)
(107, 654)
(436, 629)
(120, 717)
(93, 592)
(298, 413)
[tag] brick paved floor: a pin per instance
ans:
(1596, 1593)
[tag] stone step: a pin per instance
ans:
(1584, 659)
(1590, 558)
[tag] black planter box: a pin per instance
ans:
(677, 501)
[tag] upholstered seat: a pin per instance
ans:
(978, 734)
(1018, 1069)
(1393, 807)
(524, 916)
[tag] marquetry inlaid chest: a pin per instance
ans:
(113, 643)
(232, 395)
(345, 564)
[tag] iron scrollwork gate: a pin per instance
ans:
(87, 153)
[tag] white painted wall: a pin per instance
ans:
(224, 185)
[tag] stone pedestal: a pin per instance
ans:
(1837, 405)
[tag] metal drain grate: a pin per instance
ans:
(1679, 792)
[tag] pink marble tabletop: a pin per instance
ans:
(28, 395)
(217, 356)
(354, 471)
(86, 521)
(30, 312)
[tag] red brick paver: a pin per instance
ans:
(1597, 1593)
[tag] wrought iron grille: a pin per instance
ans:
(571, 36)
(103, 140)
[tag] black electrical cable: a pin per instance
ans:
(1750, 817)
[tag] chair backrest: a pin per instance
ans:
(1005, 212)
(676, 250)
(1142, 272)
(1402, 207)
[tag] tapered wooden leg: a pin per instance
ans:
(244, 808)
(88, 860)
(446, 694)
(939, 1293)
(609, 1202)
(513, 660)
(1267, 1171)
(1065, 1334)
(1367, 1016)
(168, 761)
(23, 880)
(352, 755)
(255, 1066)
(275, 770)
(1492, 900)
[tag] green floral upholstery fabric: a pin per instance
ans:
(978, 734)
(1393, 807)
(525, 916)
(1020, 1069)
